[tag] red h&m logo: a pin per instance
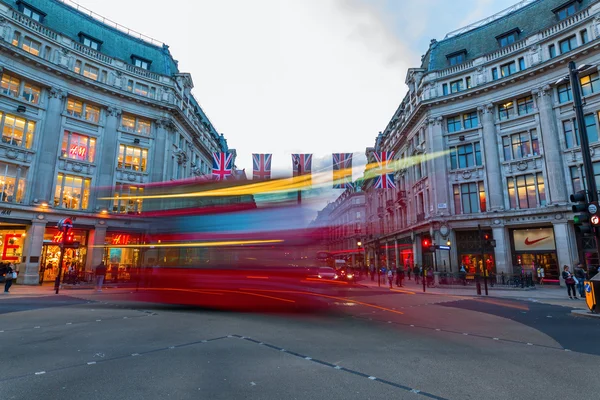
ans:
(120, 239)
(78, 151)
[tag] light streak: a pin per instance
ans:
(191, 244)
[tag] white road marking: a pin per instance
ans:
(466, 334)
(337, 367)
(252, 383)
(372, 378)
(307, 358)
(98, 320)
(496, 338)
(91, 363)
(40, 373)
(135, 354)
(529, 344)
(69, 323)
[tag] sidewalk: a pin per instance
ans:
(19, 291)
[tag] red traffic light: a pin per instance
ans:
(486, 236)
(426, 243)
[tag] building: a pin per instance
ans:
(485, 136)
(89, 111)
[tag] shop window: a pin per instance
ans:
(520, 145)
(12, 242)
(12, 183)
(526, 191)
(125, 201)
(74, 260)
(78, 147)
(17, 131)
(72, 192)
(132, 158)
(79, 109)
(138, 125)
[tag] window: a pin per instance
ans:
(521, 64)
(132, 158)
(90, 41)
(17, 131)
(457, 58)
(525, 105)
(15, 87)
(469, 84)
(591, 128)
(142, 89)
(465, 156)
(31, 93)
(576, 179)
(508, 69)
(552, 51)
(456, 86)
(91, 72)
(445, 89)
(469, 198)
(566, 10)
(133, 124)
(453, 124)
(571, 133)
(16, 38)
(31, 12)
(470, 120)
(125, 201)
(77, 67)
(79, 109)
(10, 85)
(140, 62)
(520, 145)
(505, 110)
(494, 73)
(78, 147)
(527, 191)
(74, 108)
(567, 44)
(92, 113)
(72, 192)
(31, 46)
(590, 84)
(564, 93)
(508, 38)
(12, 183)
(584, 36)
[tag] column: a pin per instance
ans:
(437, 169)
(387, 254)
(442, 256)
(158, 170)
(502, 251)
(417, 251)
(106, 161)
(495, 192)
(50, 142)
(555, 177)
(397, 253)
(32, 250)
(564, 249)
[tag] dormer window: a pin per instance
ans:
(457, 57)
(508, 38)
(565, 10)
(90, 41)
(141, 62)
(30, 11)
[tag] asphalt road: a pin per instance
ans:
(364, 344)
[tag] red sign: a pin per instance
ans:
(58, 237)
(78, 151)
(8, 245)
(120, 239)
(595, 220)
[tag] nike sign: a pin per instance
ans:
(530, 242)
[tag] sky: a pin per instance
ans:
(297, 76)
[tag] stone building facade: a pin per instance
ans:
(346, 224)
(88, 112)
(485, 137)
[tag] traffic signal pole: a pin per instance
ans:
(588, 167)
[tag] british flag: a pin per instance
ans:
(385, 175)
(302, 164)
(342, 170)
(222, 166)
(261, 166)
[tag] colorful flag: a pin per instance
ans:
(342, 170)
(302, 164)
(385, 175)
(222, 166)
(261, 166)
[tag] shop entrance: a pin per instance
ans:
(73, 260)
(529, 263)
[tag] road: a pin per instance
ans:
(364, 343)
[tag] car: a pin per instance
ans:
(327, 273)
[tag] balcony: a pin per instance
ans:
(401, 198)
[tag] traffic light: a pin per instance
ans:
(487, 239)
(426, 243)
(584, 211)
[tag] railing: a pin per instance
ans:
(142, 72)
(92, 53)
(33, 25)
(566, 23)
(456, 68)
(506, 50)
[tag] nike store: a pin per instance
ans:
(533, 248)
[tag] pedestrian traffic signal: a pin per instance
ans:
(582, 219)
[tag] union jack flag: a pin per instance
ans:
(261, 166)
(385, 175)
(342, 170)
(302, 164)
(222, 166)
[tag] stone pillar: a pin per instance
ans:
(564, 252)
(32, 250)
(555, 177)
(495, 192)
(107, 161)
(417, 251)
(95, 248)
(159, 156)
(397, 254)
(437, 169)
(387, 255)
(502, 253)
(49, 145)
(442, 257)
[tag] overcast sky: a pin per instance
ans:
(306, 76)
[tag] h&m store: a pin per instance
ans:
(31, 242)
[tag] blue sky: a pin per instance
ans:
(307, 76)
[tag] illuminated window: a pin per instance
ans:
(90, 71)
(78, 147)
(92, 113)
(12, 183)
(16, 38)
(17, 131)
(526, 191)
(133, 124)
(469, 198)
(31, 93)
(10, 85)
(520, 145)
(141, 89)
(123, 202)
(132, 158)
(590, 84)
(74, 107)
(15, 87)
(77, 67)
(506, 110)
(72, 192)
(31, 46)
(79, 109)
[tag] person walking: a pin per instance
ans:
(569, 281)
(541, 275)
(390, 276)
(408, 272)
(9, 277)
(399, 277)
(100, 273)
(581, 276)
(417, 273)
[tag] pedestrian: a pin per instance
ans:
(399, 277)
(417, 273)
(390, 276)
(9, 277)
(430, 277)
(541, 275)
(569, 281)
(463, 274)
(372, 272)
(580, 275)
(408, 272)
(100, 273)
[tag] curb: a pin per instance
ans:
(584, 313)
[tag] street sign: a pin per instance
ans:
(442, 247)
(595, 220)
(592, 208)
(65, 224)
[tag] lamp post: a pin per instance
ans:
(299, 169)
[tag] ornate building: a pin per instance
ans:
(485, 137)
(87, 112)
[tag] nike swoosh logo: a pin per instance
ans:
(530, 242)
